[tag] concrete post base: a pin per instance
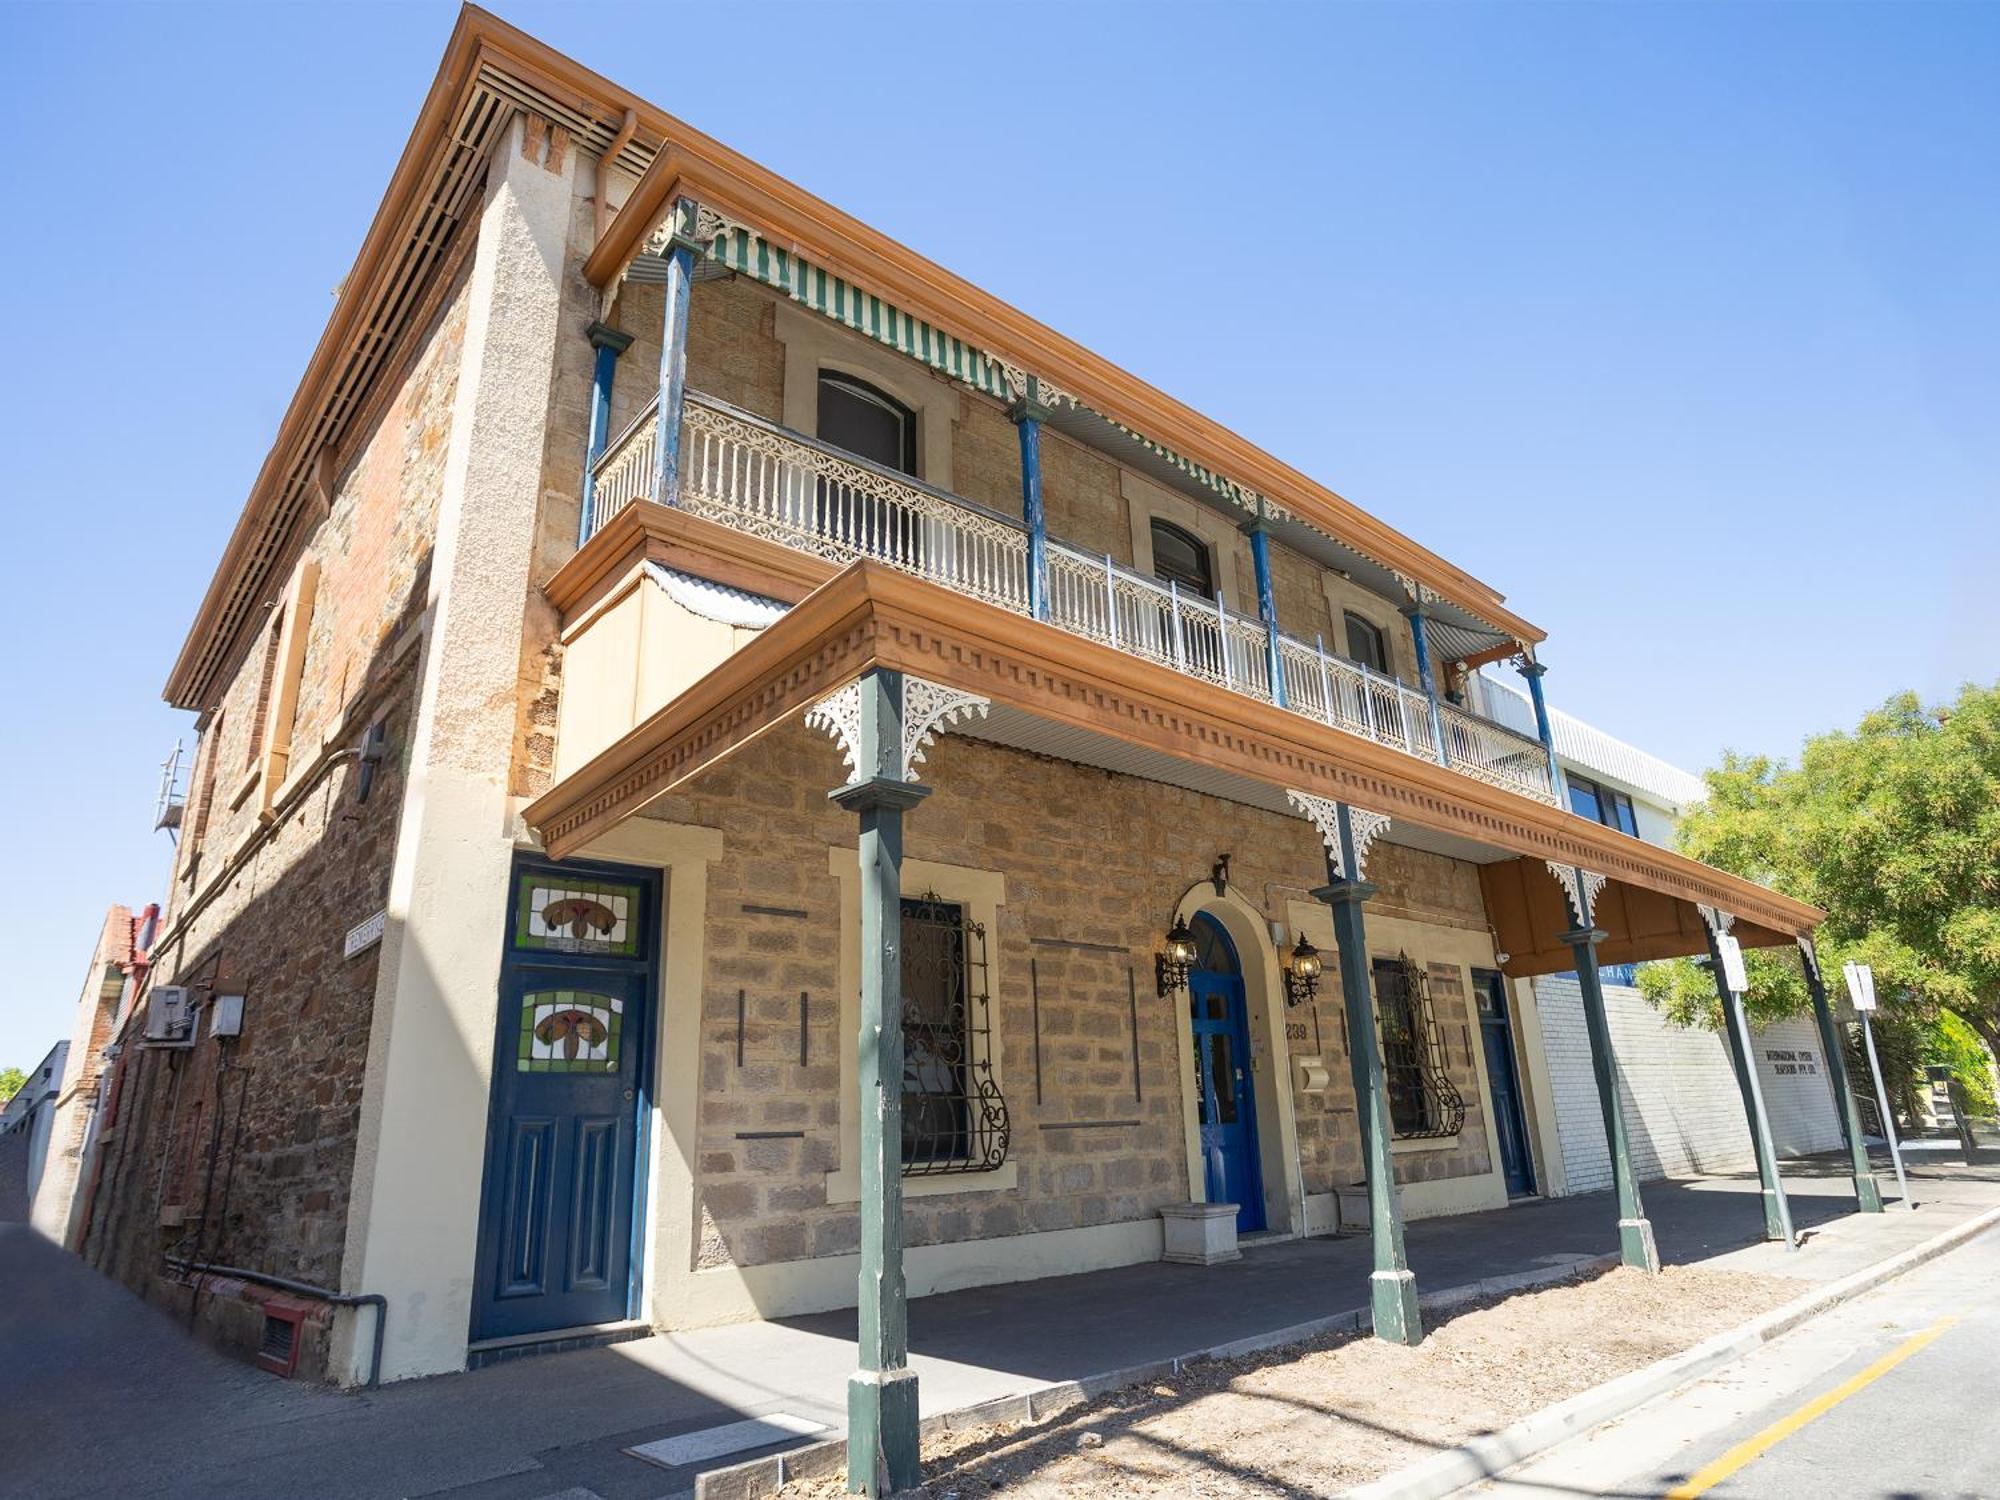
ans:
(882, 1447)
(1392, 1296)
(1636, 1247)
(1867, 1194)
(1774, 1224)
(1199, 1234)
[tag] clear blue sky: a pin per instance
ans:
(1679, 324)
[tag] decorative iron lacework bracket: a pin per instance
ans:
(1580, 888)
(1421, 593)
(1033, 389)
(1718, 920)
(928, 708)
(1324, 814)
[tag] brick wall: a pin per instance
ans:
(254, 1145)
(1094, 864)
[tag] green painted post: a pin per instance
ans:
(1635, 1233)
(1392, 1289)
(1867, 1192)
(1740, 1063)
(882, 1449)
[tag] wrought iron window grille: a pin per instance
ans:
(1424, 1104)
(954, 1115)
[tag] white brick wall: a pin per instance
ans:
(1682, 1109)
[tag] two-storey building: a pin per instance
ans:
(736, 767)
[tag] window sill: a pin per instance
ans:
(1415, 1145)
(844, 1184)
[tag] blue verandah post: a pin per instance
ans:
(1421, 640)
(882, 1446)
(682, 249)
(609, 344)
(1267, 602)
(1028, 415)
(1533, 670)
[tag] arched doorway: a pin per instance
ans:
(1225, 1093)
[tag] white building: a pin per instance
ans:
(1683, 1109)
(25, 1126)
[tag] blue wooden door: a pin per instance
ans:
(1496, 1031)
(1225, 1093)
(563, 1155)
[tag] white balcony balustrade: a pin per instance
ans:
(752, 475)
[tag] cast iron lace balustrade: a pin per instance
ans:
(1424, 1104)
(757, 477)
(954, 1116)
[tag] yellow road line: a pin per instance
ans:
(1753, 1448)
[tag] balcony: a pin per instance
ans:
(773, 483)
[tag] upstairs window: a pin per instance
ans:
(1366, 645)
(872, 424)
(1601, 804)
(1181, 558)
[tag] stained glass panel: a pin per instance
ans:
(561, 914)
(569, 1031)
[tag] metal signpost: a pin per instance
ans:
(1861, 990)
(1737, 980)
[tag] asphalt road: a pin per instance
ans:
(1896, 1395)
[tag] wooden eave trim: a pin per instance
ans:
(869, 615)
(456, 70)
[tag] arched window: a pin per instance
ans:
(1365, 642)
(853, 415)
(1179, 557)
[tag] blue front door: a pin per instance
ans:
(563, 1152)
(1225, 1093)
(1496, 1031)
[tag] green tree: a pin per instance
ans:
(1895, 830)
(12, 1081)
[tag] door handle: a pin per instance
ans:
(628, 1096)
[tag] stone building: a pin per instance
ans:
(635, 500)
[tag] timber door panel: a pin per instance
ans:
(564, 1154)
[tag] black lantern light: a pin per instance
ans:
(1302, 974)
(1173, 965)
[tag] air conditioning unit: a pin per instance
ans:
(170, 1017)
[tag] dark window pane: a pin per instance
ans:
(1180, 558)
(1213, 952)
(1583, 799)
(934, 1032)
(854, 416)
(1365, 643)
(1627, 820)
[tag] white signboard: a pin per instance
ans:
(1732, 963)
(1860, 985)
(366, 934)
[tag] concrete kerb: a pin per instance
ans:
(764, 1476)
(1483, 1458)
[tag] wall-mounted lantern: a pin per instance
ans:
(1172, 966)
(1302, 973)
